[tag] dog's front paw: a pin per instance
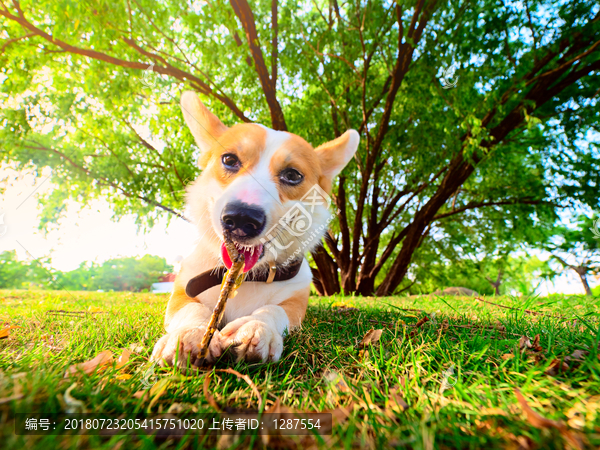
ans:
(252, 340)
(183, 345)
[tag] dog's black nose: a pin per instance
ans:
(243, 220)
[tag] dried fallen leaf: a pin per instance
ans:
(536, 347)
(418, 325)
(576, 416)
(123, 376)
(123, 359)
(525, 443)
(88, 367)
(524, 343)
(541, 422)
(371, 337)
(557, 366)
(4, 333)
(396, 402)
(142, 393)
(534, 418)
(578, 355)
(507, 356)
(535, 357)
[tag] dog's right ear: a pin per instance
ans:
(204, 125)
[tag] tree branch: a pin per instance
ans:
(94, 54)
(94, 176)
(244, 13)
(274, 49)
(472, 205)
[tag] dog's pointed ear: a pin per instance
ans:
(204, 125)
(334, 155)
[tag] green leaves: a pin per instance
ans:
(91, 90)
(119, 274)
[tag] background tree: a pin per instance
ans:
(487, 257)
(118, 274)
(489, 276)
(15, 274)
(577, 248)
(513, 137)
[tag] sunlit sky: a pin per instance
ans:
(85, 233)
(89, 234)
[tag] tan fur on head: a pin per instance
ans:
(263, 154)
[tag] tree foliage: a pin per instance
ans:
(577, 248)
(512, 141)
(15, 274)
(118, 274)
(494, 260)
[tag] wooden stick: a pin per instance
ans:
(227, 289)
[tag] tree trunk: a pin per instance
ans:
(457, 174)
(497, 283)
(326, 272)
(583, 277)
(317, 281)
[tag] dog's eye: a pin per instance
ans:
(230, 161)
(291, 176)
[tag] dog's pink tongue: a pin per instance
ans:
(250, 257)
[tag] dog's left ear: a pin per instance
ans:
(204, 125)
(334, 155)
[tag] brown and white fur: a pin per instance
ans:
(257, 317)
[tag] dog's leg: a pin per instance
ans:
(259, 336)
(185, 323)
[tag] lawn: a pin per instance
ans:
(448, 382)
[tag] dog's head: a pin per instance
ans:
(269, 188)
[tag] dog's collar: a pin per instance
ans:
(214, 277)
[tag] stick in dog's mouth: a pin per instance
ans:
(232, 280)
(251, 254)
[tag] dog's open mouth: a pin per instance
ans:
(251, 255)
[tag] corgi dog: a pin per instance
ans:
(269, 189)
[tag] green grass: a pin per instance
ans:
(480, 410)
